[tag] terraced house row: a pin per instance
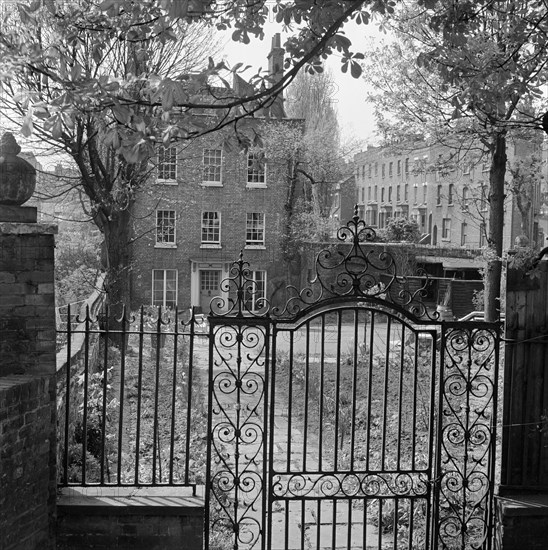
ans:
(443, 189)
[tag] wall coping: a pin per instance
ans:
(13, 228)
(101, 500)
(13, 380)
(524, 505)
(11, 384)
(94, 303)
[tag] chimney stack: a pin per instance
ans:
(275, 71)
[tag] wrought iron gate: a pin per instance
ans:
(351, 417)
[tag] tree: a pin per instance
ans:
(320, 164)
(477, 68)
(90, 77)
(402, 229)
(310, 98)
(172, 101)
(525, 184)
(92, 49)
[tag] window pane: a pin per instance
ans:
(210, 280)
(255, 290)
(254, 228)
(446, 228)
(211, 227)
(157, 287)
(164, 287)
(213, 161)
(165, 226)
(167, 163)
(256, 168)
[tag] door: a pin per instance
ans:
(210, 279)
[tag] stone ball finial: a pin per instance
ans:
(17, 176)
(8, 145)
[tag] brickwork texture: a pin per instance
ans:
(27, 443)
(189, 197)
(27, 387)
(131, 532)
(146, 518)
(27, 301)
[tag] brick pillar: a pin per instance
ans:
(27, 382)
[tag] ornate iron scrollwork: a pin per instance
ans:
(237, 439)
(466, 436)
(350, 484)
(449, 502)
(340, 272)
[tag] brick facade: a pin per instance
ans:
(188, 197)
(27, 387)
(27, 319)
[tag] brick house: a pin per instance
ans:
(207, 204)
(207, 201)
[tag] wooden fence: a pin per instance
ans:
(525, 415)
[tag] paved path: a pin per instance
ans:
(311, 524)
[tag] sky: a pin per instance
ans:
(355, 114)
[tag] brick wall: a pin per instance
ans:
(27, 492)
(27, 319)
(521, 522)
(27, 387)
(161, 518)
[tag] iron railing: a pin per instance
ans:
(133, 411)
(351, 412)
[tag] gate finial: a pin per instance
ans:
(245, 295)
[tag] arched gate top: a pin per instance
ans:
(346, 273)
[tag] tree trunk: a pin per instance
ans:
(524, 207)
(493, 270)
(116, 232)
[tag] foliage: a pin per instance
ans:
(311, 97)
(478, 300)
(525, 183)
(315, 159)
(77, 266)
(307, 226)
(107, 81)
(401, 229)
(467, 74)
(144, 372)
(93, 428)
(318, 33)
(525, 258)
(68, 72)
